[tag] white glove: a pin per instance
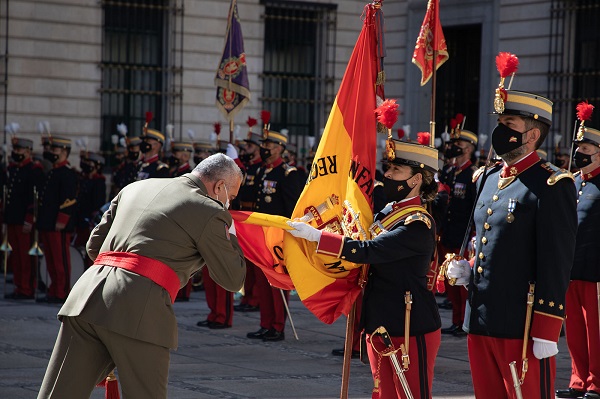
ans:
(303, 230)
(232, 228)
(542, 348)
(460, 270)
(231, 151)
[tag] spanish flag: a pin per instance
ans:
(338, 195)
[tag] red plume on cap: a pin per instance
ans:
(453, 123)
(387, 113)
(423, 138)
(149, 116)
(584, 113)
(251, 122)
(459, 118)
(507, 64)
(217, 127)
(400, 133)
(265, 116)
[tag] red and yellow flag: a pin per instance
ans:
(431, 39)
(338, 195)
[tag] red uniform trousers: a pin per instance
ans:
(185, 292)
(22, 264)
(272, 308)
(422, 351)
(490, 358)
(455, 293)
(58, 262)
(219, 301)
(583, 335)
(250, 297)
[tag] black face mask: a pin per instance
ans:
(265, 153)
(453, 151)
(395, 190)
(145, 147)
(86, 167)
(173, 161)
(50, 156)
(582, 160)
(18, 158)
(505, 139)
(246, 158)
(133, 155)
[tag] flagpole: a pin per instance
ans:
(231, 9)
(433, 87)
(348, 352)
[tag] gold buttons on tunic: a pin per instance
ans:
(583, 184)
(481, 255)
(480, 270)
(495, 197)
(486, 226)
(484, 240)
(489, 211)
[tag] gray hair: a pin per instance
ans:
(216, 167)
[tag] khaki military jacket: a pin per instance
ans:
(173, 221)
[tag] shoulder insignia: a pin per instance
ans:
(378, 183)
(161, 165)
(288, 168)
(557, 173)
(577, 173)
(418, 216)
(478, 173)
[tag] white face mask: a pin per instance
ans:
(226, 199)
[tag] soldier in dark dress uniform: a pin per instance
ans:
(278, 187)
(582, 323)
(91, 195)
(126, 172)
(526, 222)
(399, 255)
(202, 150)
(247, 199)
(23, 174)
(151, 147)
(458, 177)
(58, 198)
(179, 162)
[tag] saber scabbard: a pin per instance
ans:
(391, 352)
(515, 379)
(530, 297)
(408, 303)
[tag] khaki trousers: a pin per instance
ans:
(84, 354)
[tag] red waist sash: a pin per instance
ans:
(150, 268)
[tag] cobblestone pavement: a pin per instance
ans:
(225, 364)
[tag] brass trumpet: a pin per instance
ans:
(35, 249)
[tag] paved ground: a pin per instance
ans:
(224, 363)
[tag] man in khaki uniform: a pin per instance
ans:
(155, 234)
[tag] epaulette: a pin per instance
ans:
(288, 168)
(478, 173)
(577, 173)
(557, 173)
(418, 216)
(482, 169)
(378, 183)
(161, 165)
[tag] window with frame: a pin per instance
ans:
(298, 71)
(137, 72)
